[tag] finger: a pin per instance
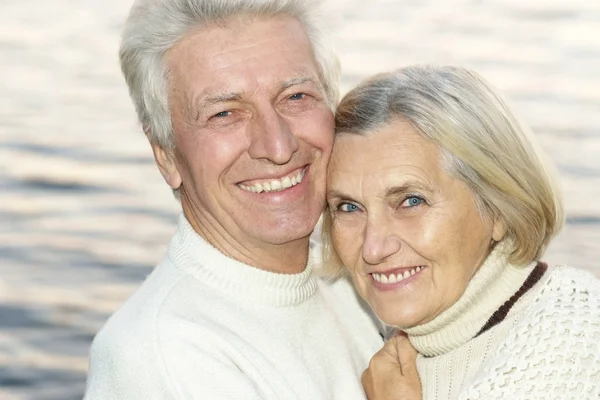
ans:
(401, 333)
(405, 353)
(386, 354)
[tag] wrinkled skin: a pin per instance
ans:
(248, 107)
(392, 372)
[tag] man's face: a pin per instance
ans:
(253, 134)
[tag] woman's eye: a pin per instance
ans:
(413, 201)
(347, 207)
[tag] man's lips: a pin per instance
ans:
(274, 185)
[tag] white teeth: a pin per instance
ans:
(276, 184)
(286, 182)
(382, 278)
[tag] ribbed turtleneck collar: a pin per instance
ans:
(493, 284)
(192, 254)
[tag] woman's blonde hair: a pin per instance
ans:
(482, 142)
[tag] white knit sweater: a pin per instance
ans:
(204, 326)
(548, 346)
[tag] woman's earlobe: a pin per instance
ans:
(499, 229)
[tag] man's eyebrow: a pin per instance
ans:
(300, 80)
(220, 98)
(237, 96)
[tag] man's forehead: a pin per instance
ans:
(240, 37)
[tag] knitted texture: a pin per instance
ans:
(554, 351)
(494, 283)
(451, 353)
(205, 326)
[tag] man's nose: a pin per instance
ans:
(380, 241)
(272, 138)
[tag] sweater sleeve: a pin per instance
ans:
(554, 353)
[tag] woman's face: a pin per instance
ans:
(410, 234)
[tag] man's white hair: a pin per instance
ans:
(155, 26)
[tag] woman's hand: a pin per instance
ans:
(392, 372)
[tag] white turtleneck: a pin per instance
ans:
(204, 326)
(508, 360)
(493, 284)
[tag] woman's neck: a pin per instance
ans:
(493, 284)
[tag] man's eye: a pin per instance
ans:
(413, 201)
(347, 207)
(297, 96)
(222, 114)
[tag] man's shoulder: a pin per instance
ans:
(167, 297)
(134, 322)
(131, 354)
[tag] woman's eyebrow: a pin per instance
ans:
(407, 187)
(336, 194)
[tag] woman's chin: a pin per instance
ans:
(401, 319)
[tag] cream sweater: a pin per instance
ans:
(204, 326)
(548, 346)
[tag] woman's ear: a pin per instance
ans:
(499, 229)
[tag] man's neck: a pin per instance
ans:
(287, 258)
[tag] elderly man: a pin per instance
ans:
(236, 98)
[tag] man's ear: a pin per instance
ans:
(166, 165)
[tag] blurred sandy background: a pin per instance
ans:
(84, 214)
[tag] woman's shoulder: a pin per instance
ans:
(553, 348)
(563, 314)
(564, 276)
(565, 310)
(567, 295)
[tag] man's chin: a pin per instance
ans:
(279, 236)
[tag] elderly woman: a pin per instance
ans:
(440, 206)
